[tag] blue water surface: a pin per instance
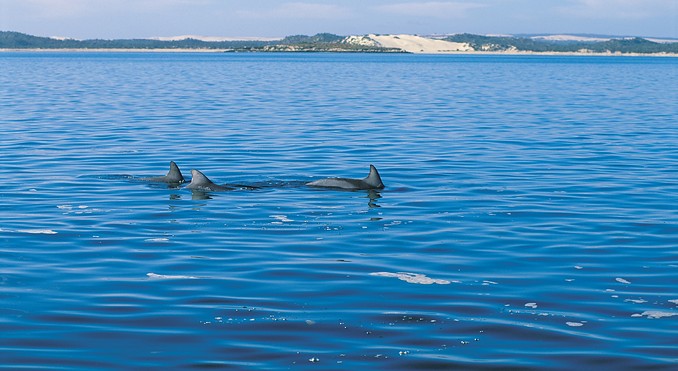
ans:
(529, 219)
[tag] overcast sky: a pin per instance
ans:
(110, 19)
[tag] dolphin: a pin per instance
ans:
(173, 176)
(372, 181)
(200, 182)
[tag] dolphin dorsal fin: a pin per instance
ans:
(374, 180)
(174, 173)
(199, 178)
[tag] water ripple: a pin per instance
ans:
(528, 219)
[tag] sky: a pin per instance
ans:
(119, 19)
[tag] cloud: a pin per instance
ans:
(55, 9)
(437, 9)
(619, 9)
(297, 10)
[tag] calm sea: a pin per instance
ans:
(529, 219)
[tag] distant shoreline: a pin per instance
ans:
(232, 51)
(115, 50)
(456, 44)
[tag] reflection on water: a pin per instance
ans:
(197, 194)
(373, 196)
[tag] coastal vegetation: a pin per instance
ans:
(527, 44)
(17, 40)
(327, 42)
(300, 43)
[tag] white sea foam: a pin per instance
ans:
(79, 209)
(280, 219)
(169, 277)
(160, 239)
(621, 280)
(71, 207)
(574, 324)
(30, 231)
(652, 314)
(412, 278)
(37, 231)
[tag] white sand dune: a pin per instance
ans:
(419, 44)
(570, 38)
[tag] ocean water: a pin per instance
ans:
(529, 219)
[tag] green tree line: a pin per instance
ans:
(499, 43)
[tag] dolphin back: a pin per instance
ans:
(343, 183)
(372, 181)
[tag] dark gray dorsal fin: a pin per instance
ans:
(374, 180)
(174, 174)
(199, 179)
(201, 182)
